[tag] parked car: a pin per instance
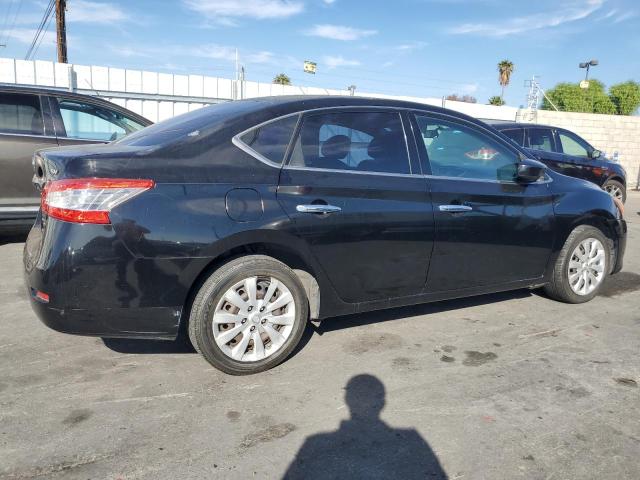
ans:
(35, 118)
(240, 221)
(569, 154)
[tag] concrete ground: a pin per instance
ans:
(498, 387)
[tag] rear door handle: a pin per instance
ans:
(455, 208)
(320, 208)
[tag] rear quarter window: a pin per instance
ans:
(272, 139)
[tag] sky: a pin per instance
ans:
(429, 48)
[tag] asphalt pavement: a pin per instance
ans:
(503, 386)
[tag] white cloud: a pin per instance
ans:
(223, 11)
(625, 16)
(563, 13)
(259, 57)
(469, 88)
(338, 61)
(411, 46)
(25, 35)
(94, 12)
(218, 52)
(329, 2)
(339, 32)
(211, 51)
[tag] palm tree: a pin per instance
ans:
(282, 79)
(505, 69)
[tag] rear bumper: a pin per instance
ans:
(95, 289)
(159, 323)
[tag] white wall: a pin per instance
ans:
(128, 86)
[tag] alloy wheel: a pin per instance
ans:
(614, 190)
(587, 266)
(254, 319)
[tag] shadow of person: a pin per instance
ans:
(364, 446)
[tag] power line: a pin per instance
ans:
(39, 30)
(7, 16)
(7, 33)
(44, 33)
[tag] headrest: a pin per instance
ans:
(336, 147)
(381, 145)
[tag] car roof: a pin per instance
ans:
(240, 115)
(508, 125)
(35, 90)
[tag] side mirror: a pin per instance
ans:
(595, 153)
(529, 173)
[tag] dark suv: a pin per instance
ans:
(239, 222)
(569, 154)
(34, 118)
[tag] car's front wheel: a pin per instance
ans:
(616, 190)
(249, 315)
(581, 267)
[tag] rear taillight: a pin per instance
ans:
(89, 200)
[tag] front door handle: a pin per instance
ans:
(455, 208)
(319, 208)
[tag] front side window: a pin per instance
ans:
(541, 139)
(455, 150)
(90, 122)
(572, 146)
(21, 113)
(272, 139)
(356, 141)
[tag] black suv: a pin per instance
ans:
(35, 118)
(241, 221)
(569, 154)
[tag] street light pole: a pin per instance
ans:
(587, 65)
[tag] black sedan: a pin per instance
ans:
(570, 154)
(241, 221)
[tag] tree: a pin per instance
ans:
(505, 69)
(464, 98)
(282, 79)
(626, 97)
(496, 100)
(569, 97)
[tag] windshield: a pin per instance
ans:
(191, 123)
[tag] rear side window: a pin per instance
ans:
(362, 141)
(271, 140)
(20, 113)
(541, 139)
(516, 134)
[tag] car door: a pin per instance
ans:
(25, 127)
(79, 121)
(490, 229)
(578, 152)
(355, 193)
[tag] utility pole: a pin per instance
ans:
(61, 30)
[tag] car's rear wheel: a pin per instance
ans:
(616, 190)
(581, 267)
(249, 315)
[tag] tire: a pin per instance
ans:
(615, 189)
(216, 300)
(560, 287)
